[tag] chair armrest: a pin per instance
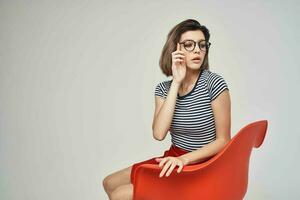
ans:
(148, 184)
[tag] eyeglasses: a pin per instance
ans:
(189, 45)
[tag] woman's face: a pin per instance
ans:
(196, 36)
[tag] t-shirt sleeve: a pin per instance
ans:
(216, 85)
(160, 90)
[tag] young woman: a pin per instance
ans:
(194, 107)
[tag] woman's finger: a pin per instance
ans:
(178, 60)
(179, 55)
(180, 167)
(162, 162)
(171, 169)
(167, 165)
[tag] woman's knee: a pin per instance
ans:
(107, 184)
(122, 192)
(116, 179)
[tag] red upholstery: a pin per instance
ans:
(222, 177)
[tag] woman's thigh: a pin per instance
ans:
(149, 161)
(125, 176)
(118, 178)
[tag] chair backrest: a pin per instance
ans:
(227, 172)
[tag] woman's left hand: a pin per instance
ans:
(171, 162)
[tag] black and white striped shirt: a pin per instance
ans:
(193, 123)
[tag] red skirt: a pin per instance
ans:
(174, 151)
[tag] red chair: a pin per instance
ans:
(222, 177)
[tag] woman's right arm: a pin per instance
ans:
(164, 110)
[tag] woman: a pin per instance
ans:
(194, 106)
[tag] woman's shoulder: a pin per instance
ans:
(215, 83)
(162, 88)
(165, 83)
(211, 76)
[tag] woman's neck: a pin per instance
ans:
(190, 79)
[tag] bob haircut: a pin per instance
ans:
(165, 61)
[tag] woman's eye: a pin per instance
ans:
(188, 44)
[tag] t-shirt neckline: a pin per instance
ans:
(182, 97)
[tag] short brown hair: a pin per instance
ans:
(165, 61)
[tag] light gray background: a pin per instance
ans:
(77, 87)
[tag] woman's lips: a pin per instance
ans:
(196, 61)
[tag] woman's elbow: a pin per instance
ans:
(225, 141)
(158, 134)
(158, 137)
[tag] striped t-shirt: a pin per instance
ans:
(193, 123)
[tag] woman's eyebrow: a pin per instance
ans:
(193, 40)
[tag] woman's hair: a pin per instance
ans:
(165, 61)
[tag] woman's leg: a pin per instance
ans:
(123, 192)
(120, 182)
(117, 179)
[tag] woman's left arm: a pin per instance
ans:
(221, 107)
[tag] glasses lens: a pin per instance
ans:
(189, 45)
(203, 45)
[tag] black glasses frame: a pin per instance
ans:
(207, 44)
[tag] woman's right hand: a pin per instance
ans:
(178, 65)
